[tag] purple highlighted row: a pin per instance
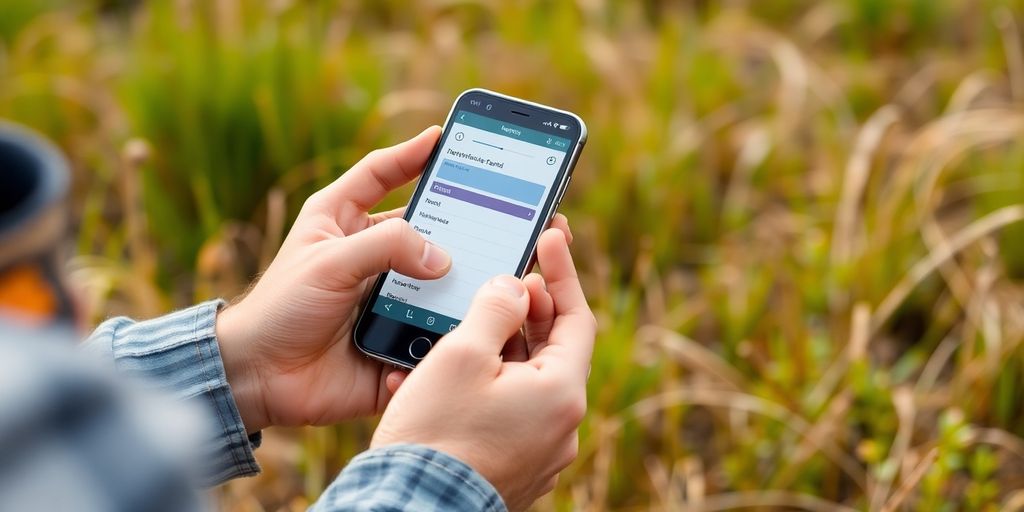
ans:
(481, 200)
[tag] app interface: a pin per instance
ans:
(482, 200)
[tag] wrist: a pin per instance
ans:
(241, 369)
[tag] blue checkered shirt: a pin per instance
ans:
(178, 354)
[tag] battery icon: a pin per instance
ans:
(563, 127)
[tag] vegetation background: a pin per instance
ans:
(799, 223)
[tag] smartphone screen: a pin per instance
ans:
(487, 192)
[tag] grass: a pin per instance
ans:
(799, 223)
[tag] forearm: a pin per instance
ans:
(178, 354)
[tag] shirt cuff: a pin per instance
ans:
(409, 477)
(179, 354)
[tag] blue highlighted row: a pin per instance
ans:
(490, 181)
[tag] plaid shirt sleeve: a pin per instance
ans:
(408, 477)
(178, 354)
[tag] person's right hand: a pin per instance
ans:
(514, 422)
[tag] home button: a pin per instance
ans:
(419, 347)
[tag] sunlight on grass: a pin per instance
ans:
(799, 223)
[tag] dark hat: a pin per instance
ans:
(33, 183)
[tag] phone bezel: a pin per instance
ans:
(505, 108)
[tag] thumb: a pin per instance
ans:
(389, 245)
(497, 312)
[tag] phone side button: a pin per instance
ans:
(561, 193)
(419, 347)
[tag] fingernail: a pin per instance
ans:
(509, 284)
(435, 258)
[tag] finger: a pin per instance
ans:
(549, 485)
(379, 217)
(497, 312)
(515, 349)
(382, 171)
(570, 448)
(541, 315)
(390, 245)
(571, 340)
(394, 380)
(561, 222)
(559, 272)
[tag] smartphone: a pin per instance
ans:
(489, 189)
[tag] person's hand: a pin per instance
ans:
(515, 422)
(287, 345)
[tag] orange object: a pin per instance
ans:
(26, 294)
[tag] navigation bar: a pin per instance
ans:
(412, 315)
(513, 131)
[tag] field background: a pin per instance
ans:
(799, 223)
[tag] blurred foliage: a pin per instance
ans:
(799, 223)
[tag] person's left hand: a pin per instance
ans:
(287, 345)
